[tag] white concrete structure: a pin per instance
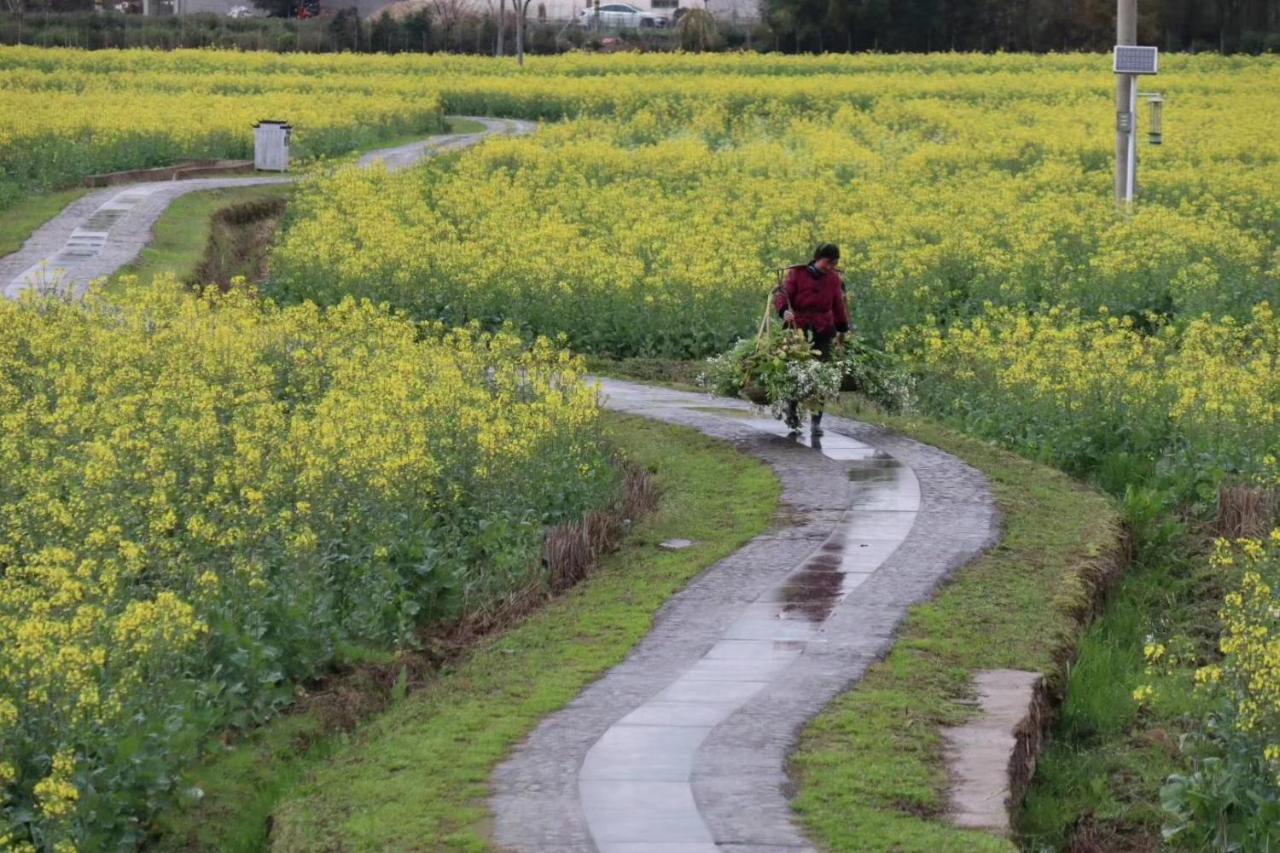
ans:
(193, 7)
(271, 146)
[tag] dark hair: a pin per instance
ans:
(827, 250)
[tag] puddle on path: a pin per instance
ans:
(813, 591)
(848, 557)
(880, 468)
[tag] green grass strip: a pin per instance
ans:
(417, 777)
(182, 231)
(1097, 785)
(869, 769)
(19, 221)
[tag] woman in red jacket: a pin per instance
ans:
(812, 299)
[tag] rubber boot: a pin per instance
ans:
(793, 417)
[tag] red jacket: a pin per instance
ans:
(817, 300)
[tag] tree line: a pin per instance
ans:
(1226, 26)
(792, 26)
(424, 31)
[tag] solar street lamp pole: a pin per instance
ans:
(1126, 106)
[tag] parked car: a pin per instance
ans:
(621, 16)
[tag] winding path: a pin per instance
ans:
(682, 748)
(102, 232)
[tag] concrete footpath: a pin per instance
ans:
(106, 230)
(682, 747)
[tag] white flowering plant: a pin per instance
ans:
(874, 374)
(778, 366)
(812, 383)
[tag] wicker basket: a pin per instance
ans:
(755, 393)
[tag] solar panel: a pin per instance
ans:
(1131, 59)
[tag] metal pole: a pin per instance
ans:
(1132, 175)
(1126, 33)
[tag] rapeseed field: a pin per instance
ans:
(191, 477)
(206, 499)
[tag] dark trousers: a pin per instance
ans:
(823, 343)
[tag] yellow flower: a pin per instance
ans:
(239, 485)
(56, 793)
(176, 463)
(1153, 652)
(1209, 675)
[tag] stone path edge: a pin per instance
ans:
(534, 793)
(991, 757)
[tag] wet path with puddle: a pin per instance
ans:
(682, 747)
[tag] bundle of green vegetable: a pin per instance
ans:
(772, 369)
(873, 373)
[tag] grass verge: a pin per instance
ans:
(869, 769)
(417, 776)
(1098, 783)
(458, 124)
(182, 232)
(20, 220)
(665, 371)
(189, 244)
(452, 124)
(240, 240)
